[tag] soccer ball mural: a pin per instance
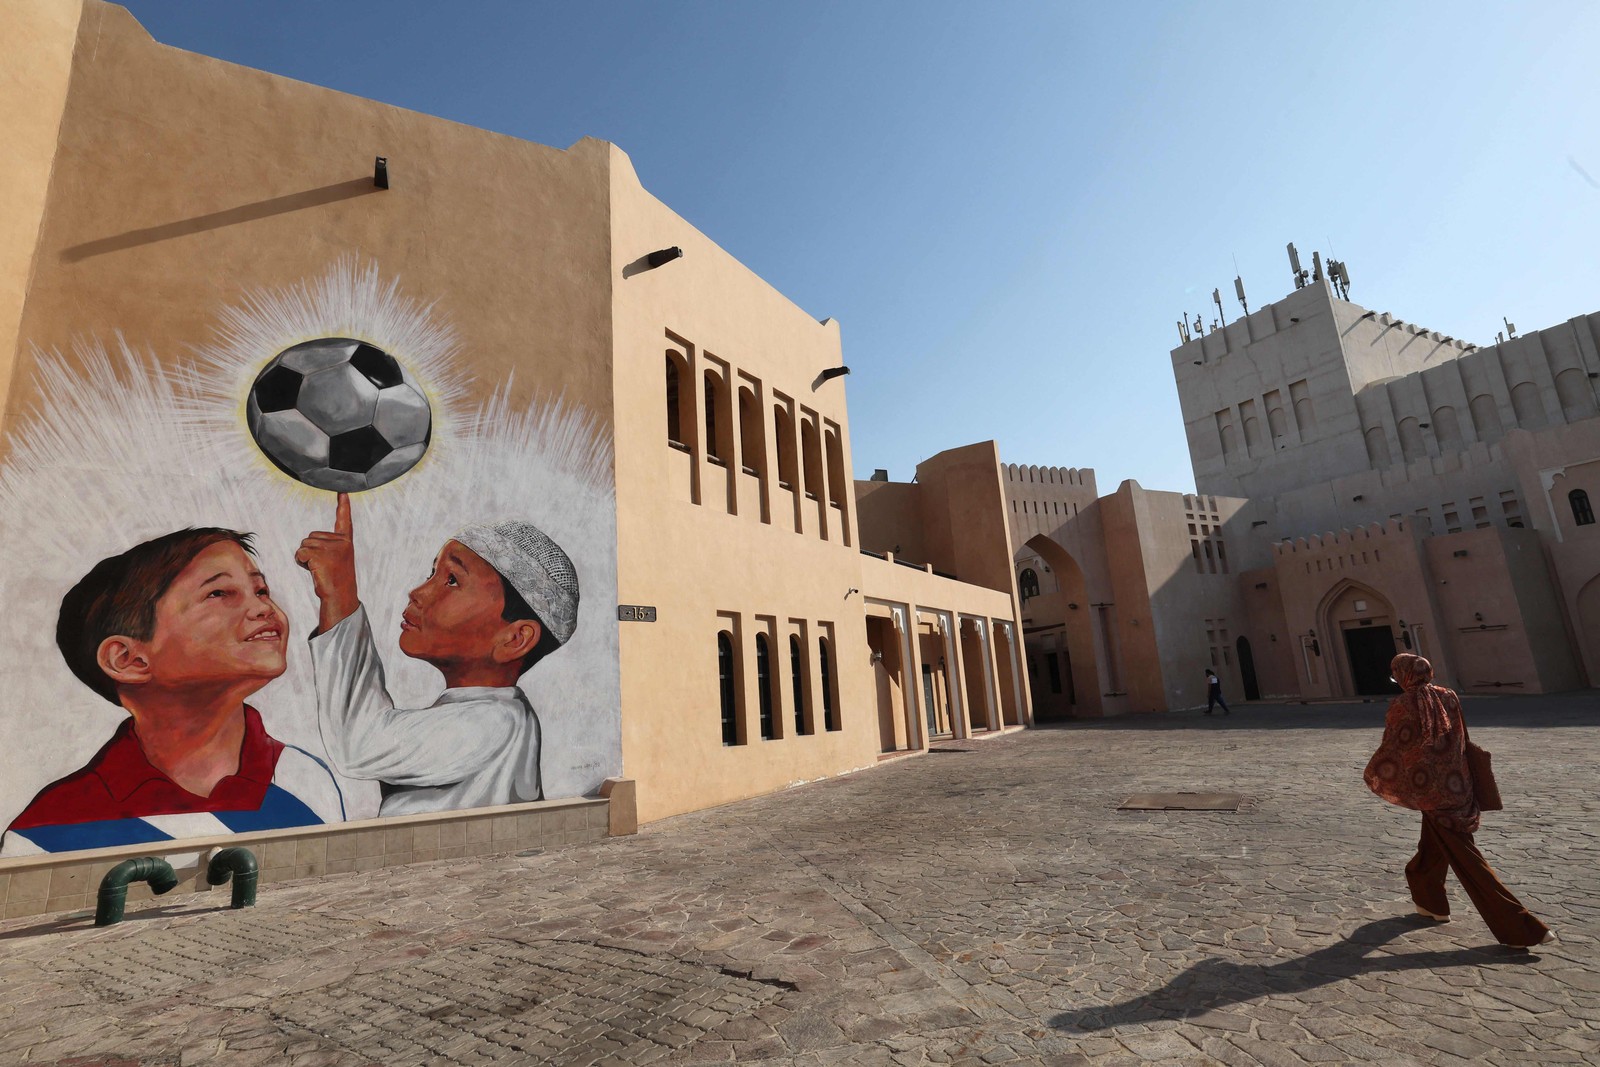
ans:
(339, 414)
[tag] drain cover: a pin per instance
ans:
(1182, 802)
(562, 1003)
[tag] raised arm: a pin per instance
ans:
(330, 556)
(366, 736)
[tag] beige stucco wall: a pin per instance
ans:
(710, 566)
(1383, 564)
(33, 93)
(276, 182)
(1501, 614)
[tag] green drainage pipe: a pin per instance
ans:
(114, 886)
(241, 863)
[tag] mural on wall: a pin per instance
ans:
(298, 578)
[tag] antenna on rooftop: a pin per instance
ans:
(1511, 327)
(1216, 295)
(1316, 264)
(1183, 330)
(1340, 278)
(1238, 287)
(1294, 266)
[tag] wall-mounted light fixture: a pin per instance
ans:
(380, 172)
(835, 372)
(661, 256)
(1316, 649)
(1258, 522)
(1358, 496)
(1477, 616)
(1072, 607)
(1261, 585)
(1459, 553)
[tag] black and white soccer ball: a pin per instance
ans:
(339, 414)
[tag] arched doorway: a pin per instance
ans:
(1058, 637)
(1589, 627)
(1247, 669)
(1360, 623)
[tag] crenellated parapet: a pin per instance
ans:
(1351, 538)
(1026, 474)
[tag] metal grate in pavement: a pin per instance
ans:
(1182, 802)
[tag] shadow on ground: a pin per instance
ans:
(1213, 984)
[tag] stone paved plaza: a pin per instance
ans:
(983, 904)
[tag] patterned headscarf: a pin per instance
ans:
(1413, 674)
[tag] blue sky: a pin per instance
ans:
(1008, 205)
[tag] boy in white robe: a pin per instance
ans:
(500, 598)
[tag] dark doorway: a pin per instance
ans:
(1371, 648)
(927, 699)
(1247, 669)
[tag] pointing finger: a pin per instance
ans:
(341, 519)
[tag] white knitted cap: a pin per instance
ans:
(536, 568)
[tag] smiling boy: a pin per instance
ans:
(178, 631)
(498, 600)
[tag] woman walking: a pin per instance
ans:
(1422, 764)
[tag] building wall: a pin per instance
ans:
(158, 292)
(720, 546)
(954, 586)
(1500, 612)
(33, 94)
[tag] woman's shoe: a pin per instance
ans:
(1549, 936)
(1436, 918)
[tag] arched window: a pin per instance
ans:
(828, 721)
(714, 446)
(1582, 513)
(797, 673)
(730, 703)
(764, 687)
(783, 430)
(674, 416)
(1027, 584)
(835, 470)
(811, 457)
(752, 437)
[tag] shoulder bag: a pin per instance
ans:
(1485, 790)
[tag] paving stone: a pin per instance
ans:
(991, 908)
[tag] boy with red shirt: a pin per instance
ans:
(179, 631)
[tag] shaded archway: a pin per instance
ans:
(1059, 640)
(1358, 625)
(1589, 627)
(1247, 669)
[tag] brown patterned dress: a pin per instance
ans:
(1422, 762)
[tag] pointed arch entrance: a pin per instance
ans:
(1589, 627)
(1059, 637)
(1361, 639)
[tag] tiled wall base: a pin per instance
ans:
(70, 881)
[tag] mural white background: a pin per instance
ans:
(120, 450)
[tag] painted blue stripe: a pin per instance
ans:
(331, 778)
(279, 808)
(103, 833)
